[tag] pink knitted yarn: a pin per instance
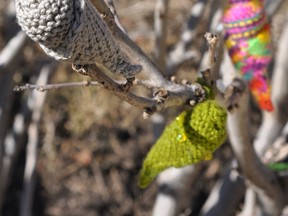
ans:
(244, 18)
(248, 40)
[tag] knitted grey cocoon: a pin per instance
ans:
(72, 30)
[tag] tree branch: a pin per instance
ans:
(110, 4)
(12, 49)
(151, 71)
(222, 201)
(180, 52)
(96, 74)
(47, 87)
(32, 144)
(266, 185)
(14, 142)
(160, 29)
(162, 98)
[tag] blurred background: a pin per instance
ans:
(79, 150)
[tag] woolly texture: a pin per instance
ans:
(248, 40)
(192, 137)
(70, 30)
(209, 91)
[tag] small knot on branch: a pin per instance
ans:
(161, 95)
(233, 92)
(128, 84)
(148, 112)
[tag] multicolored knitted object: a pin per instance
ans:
(192, 137)
(248, 40)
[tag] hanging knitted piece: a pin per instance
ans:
(192, 137)
(248, 40)
(73, 31)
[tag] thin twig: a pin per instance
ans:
(46, 87)
(209, 74)
(212, 40)
(32, 145)
(160, 29)
(96, 74)
(12, 49)
(14, 142)
(110, 4)
(181, 53)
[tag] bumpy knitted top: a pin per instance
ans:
(192, 137)
(248, 40)
(244, 18)
(72, 30)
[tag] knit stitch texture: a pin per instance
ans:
(72, 30)
(192, 137)
(248, 40)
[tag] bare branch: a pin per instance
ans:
(174, 179)
(96, 74)
(275, 151)
(163, 98)
(221, 195)
(110, 4)
(167, 93)
(32, 145)
(172, 183)
(160, 27)
(87, 83)
(268, 190)
(46, 87)
(180, 53)
(272, 6)
(212, 43)
(129, 47)
(12, 49)
(250, 207)
(233, 94)
(14, 142)
(7, 70)
(221, 200)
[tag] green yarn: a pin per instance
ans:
(192, 137)
(278, 166)
(257, 47)
(209, 93)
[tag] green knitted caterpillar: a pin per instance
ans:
(192, 137)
